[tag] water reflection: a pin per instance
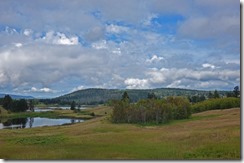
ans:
(16, 123)
(31, 121)
(35, 122)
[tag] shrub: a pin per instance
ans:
(92, 114)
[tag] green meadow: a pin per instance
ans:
(213, 134)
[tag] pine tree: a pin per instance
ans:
(210, 94)
(216, 94)
(236, 91)
(125, 97)
(151, 96)
(7, 102)
(73, 105)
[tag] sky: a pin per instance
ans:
(50, 48)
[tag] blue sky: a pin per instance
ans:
(50, 48)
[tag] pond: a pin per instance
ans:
(36, 109)
(35, 122)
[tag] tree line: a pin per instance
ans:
(16, 105)
(156, 110)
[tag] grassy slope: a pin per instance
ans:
(3, 112)
(208, 135)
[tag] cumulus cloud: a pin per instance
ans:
(60, 38)
(27, 32)
(44, 90)
(174, 77)
(208, 65)
(133, 83)
(154, 58)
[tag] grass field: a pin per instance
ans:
(212, 134)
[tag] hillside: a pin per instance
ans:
(98, 96)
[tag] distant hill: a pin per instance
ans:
(17, 96)
(99, 96)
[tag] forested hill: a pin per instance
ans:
(99, 96)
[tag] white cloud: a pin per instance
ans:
(60, 38)
(154, 58)
(18, 45)
(173, 77)
(44, 90)
(78, 88)
(102, 44)
(63, 40)
(28, 32)
(10, 30)
(117, 51)
(175, 84)
(133, 83)
(112, 28)
(208, 65)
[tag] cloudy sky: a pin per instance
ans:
(50, 48)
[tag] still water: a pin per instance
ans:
(36, 109)
(35, 122)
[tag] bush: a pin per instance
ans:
(92, 114)
(219, 103)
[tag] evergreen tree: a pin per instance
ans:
(230, 94)
(202, 98)
(236, 91)
(151, 96)
(216, 94)
(125, 97)
(210, 94)
(73, 105)
(31, 105)
(7, 102)
(20, 105)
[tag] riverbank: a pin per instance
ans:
(212, 134)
